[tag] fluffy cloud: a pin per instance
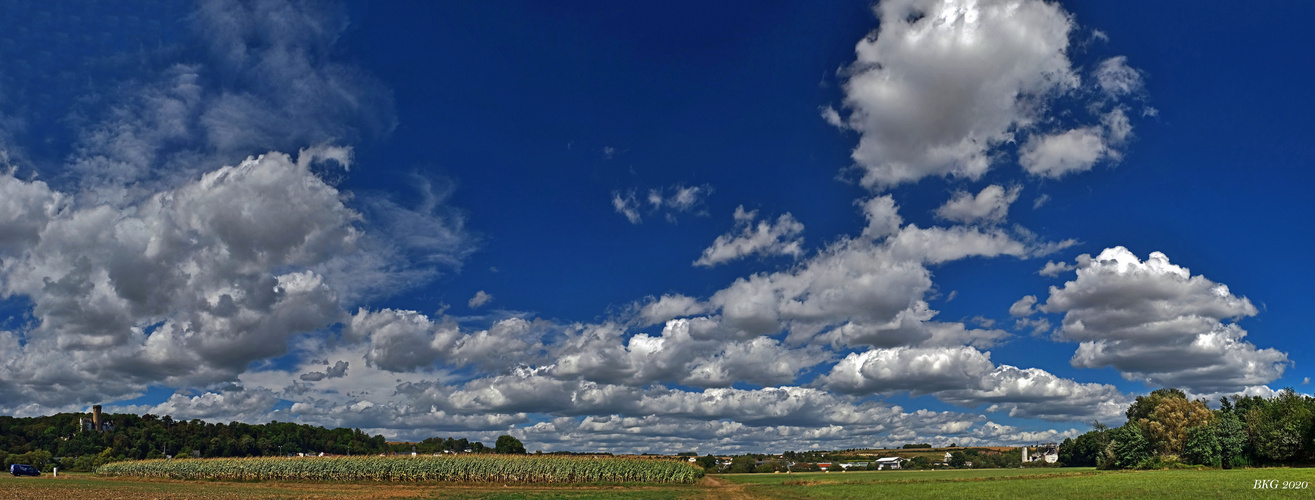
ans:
(1052, 268)
(479, 299)
(25, 209)
(239, 79)
(670, 307)
(911, 327)
(401, 340)
(941, 83)
(188, 287)
(688, 351)
(236, 79)
(245, 405)
(936, 245)
(882, 216)
(919, 370)
(1036, 393)
(835, 286)
(1058, 154)
(966, 376)
(763, 239)
(869, 289)
(992, 432)
(1023, 307)
(991, 205)
(1156, 322)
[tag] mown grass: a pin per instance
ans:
(1013, 484)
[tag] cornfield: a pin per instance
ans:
(466, 469)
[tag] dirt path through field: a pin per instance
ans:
(721, 488)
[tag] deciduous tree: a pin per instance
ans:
(508, 445)
(1166, 426)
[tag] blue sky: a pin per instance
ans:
(745, 227)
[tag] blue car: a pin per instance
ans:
(23, 470)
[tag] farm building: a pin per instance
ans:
(892, 463)
(1047, 452)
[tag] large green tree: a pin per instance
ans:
(508, 445)
(1233, 443)
(1202, 447)
(1084, 451)
(1280, 428)
(1143, 406)
(1128, 448)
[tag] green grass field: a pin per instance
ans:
(1027, 483)
(899, 476)
(1009, 484)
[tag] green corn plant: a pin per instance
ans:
(465, 469)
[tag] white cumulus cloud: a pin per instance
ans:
(1154, 321)
(966, 376)
(941, 83)
(991, 205)
(481, 297)
(188, 287)
(1053, 269)
(763, 239)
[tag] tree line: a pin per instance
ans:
(59, 441)
(808, 461)
(1165, 429)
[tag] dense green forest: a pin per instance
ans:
(59, 440)
(1165, 429)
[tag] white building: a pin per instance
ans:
(892, 463)
(1048, 452)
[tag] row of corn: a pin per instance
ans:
(463, 468)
